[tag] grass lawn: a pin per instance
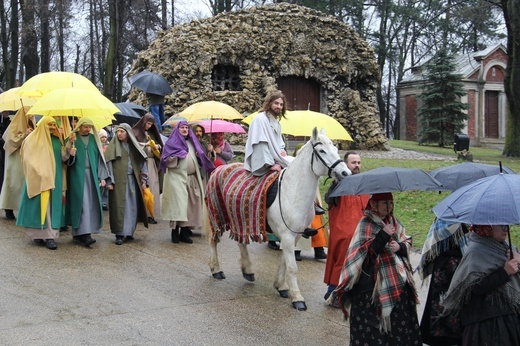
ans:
(413, 208)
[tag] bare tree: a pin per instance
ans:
(30, 57)
(45, 40)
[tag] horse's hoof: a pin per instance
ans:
(284, 293)
(300, 305)
(248, 277)
(219, 276)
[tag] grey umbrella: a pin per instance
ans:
(386, 179)
(129, 112)
(455, 176)
(151, 83)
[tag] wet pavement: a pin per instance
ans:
(152, 292)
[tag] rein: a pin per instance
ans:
(314, 153)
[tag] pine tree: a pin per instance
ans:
(441, 114)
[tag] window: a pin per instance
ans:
(226, 77)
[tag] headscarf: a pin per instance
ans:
(15, 132)
(482, 230)
(177, 146)
(88, 121)
(39, 166)
(483, 256)
(102, 133)
(140, 132)
(114, 149)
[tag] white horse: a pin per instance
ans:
(291, 212)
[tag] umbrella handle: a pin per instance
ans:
(510, 245)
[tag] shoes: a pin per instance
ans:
(318, 210)
(151, 220)
(38, 241)
(330, 289)
(272, 245)
(105, 207)
(64, 229)
(85, 239)
(50, 244)
(9, 214)
(129, 237)
(297, 255)
(119, 240)
(185, 235)
(309, 232)
(175, 235)
(319, 253)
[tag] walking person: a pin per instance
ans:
(344, 215)
(147, 133)
(126, 162)
(485, 289)
(86, 173)
(183, 161)
(377, 281)
(43, 153)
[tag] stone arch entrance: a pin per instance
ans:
(301, 93)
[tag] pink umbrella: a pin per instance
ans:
(212, 126)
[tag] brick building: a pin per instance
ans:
(483, 78)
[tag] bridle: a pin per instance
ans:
(317, 155)
(314, 154)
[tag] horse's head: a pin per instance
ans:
(325, 157)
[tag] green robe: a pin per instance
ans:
(76, 180)
(30, 208)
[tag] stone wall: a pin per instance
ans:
(268, 42)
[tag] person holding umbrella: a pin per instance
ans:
(86, 173)
(42, 203)
(221, 147)
(377, 280)
(485, 289)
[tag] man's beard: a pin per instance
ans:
(355, 171)
(275, 112)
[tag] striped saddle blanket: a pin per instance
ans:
(236, 201)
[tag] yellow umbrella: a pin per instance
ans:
(210, 110)
(74, 102)
(43, 83)
(301, 123)
(10, 100)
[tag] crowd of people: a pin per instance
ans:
(59, 174)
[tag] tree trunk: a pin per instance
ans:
(30, 58)
(164, 17)
(45, 40)
(511, 10)
(4, 42)
(111, 60)
(15, 51)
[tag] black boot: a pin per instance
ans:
(50, 244)
(175, 235)
(298, 255)
(9, 214)
(185, 235)
(319, 253)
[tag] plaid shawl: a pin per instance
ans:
(236, 200)
(441, 237)
(391, 271)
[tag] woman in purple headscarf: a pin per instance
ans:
(182, 159)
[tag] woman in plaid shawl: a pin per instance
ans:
(377, 281)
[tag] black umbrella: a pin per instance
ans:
(129, 112)
(151, 83)
(386, 179)
(455, 176)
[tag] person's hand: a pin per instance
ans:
(72, 136)
(102, 183)
(516, 255)
(218, 150)
(389, 229)
(394, 246)
(110, 187)
(283, 153)
(143, 186)
(28, 131)
(511, 267)
(210, 147)
(72, 151)
(276, 167)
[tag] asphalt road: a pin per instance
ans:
(153, 292)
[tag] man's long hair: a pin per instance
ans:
(269, 99)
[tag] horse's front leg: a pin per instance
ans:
(245, 263)
(214, 264)
(287, 273)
